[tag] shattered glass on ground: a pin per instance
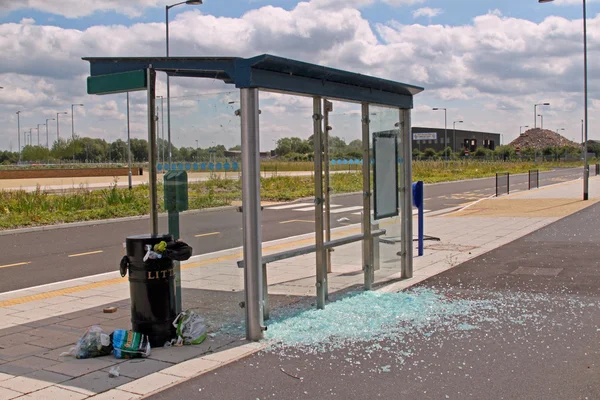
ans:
(370, 323)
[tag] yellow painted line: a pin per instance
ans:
(296, 220)
(237, 256)
(61, 292)
(87, 254)
(14, 265)
(208, 234)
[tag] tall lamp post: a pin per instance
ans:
(73, 119)
(167, 8)
(57, 125)
(454, 134)
(445, 129)
(535, 106)
(38, 129)
(521, 129)
(19, 134)
(47, 139)
(73, 126)
(557, 132)
(542, 120)
(586, 168)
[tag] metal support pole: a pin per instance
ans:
(168, 88)
(19, 134)
(321, 252)
(152, 152)
(445, 133)
(128, 145)
(162, 116)
(367, 248)
(328, 108)
(407, 219)
(586, 167)
(251, 213)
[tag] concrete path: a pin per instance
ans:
(529, 331)
(38, 324)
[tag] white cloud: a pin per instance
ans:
(427, 12)
(493, 66)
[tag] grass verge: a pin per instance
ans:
(22, 209)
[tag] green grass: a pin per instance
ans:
(21, 209)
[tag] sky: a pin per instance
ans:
(487, 62)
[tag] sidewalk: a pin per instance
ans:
(38, 324)
(101, 182)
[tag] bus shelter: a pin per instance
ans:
(385, 166)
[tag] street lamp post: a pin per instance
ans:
(454, 134)
(535, 113)
(38, 132)
(73, 126)
(19, 134)
(542, 120)
(167, 8)
(73, 119)
(57, 125)
(47, 139)
(586, 168)
(521, 129)
(445, 129)
(30, 130)
(557, 132)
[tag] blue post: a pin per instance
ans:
(418, 199)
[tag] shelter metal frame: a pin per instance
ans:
(277, 74)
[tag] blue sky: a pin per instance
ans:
(460, 12)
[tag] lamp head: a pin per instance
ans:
(545, 1)
(193, 2)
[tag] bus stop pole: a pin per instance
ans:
(251, 214)
(407, 219)
(326, 164)
(367, 248)
(152, 183)
(321, 258)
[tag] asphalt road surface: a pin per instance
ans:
(527, 329)
(36, 258)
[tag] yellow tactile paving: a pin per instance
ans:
(515, 207)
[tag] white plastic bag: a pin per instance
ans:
(94, 343)
(190, 328)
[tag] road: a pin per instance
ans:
(36, 258)
(519, 322)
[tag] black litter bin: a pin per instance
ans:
(152, 288)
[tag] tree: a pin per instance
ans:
(236, 148)
(429, 153)
(139, 150)
(35, 153)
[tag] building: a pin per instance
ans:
(433, 138)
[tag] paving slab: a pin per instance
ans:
(94, 383)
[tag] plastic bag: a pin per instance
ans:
(190, 328)
(94, 343)
(177, 251)
(129, 344)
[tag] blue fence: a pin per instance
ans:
(226, 166)
(358, 162)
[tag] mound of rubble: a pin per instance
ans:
(541, 138)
